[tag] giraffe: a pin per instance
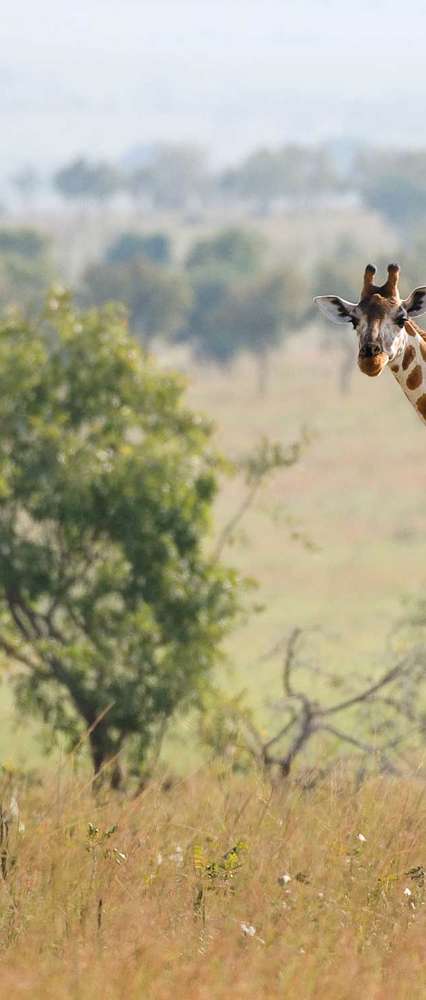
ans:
(386, 332)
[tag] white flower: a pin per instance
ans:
(284, 879)
(177, 857)
(362, 838)
(407, 892)
(248, 929)
(119, 856)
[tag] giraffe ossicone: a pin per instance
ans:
(387, 333)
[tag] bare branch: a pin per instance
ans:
(289, 661)
(386, 679)
(308, 718)
(283, 732)
(234, 521)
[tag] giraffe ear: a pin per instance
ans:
(415, 303)
(336, 309)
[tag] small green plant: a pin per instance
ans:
(97, 839)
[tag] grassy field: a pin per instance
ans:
(218, 887)
(357, 495)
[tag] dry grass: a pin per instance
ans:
(153, 911)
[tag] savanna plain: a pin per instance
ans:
(211, 883)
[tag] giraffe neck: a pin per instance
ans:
(409, 367)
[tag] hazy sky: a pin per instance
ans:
(103, 75)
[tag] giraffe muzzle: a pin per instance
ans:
(372, 364)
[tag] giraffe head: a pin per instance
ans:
(379, 317)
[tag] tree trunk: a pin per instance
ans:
(101, 753)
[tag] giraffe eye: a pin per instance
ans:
(401, 318)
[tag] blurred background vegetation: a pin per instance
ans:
(212, 525)
(222, 261)
(215, 270)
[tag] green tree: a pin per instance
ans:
(229, 315)
(157, 299)
(175, 175)
(209, 325)
(272, 310)
(153, 246)
(110, 609)
(292, 172)
(84, 181)
(239, 251)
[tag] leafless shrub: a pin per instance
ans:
(379, 722)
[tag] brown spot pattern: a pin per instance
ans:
(394, 368)
(421, 405)
(409, 355)
(415, 378)
(423, 349)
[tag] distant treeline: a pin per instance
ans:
(176, 177)
(232, 292)
(225, 297)
(234, 289)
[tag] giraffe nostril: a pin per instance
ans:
(370, 350)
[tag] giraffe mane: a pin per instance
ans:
(415, 328)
